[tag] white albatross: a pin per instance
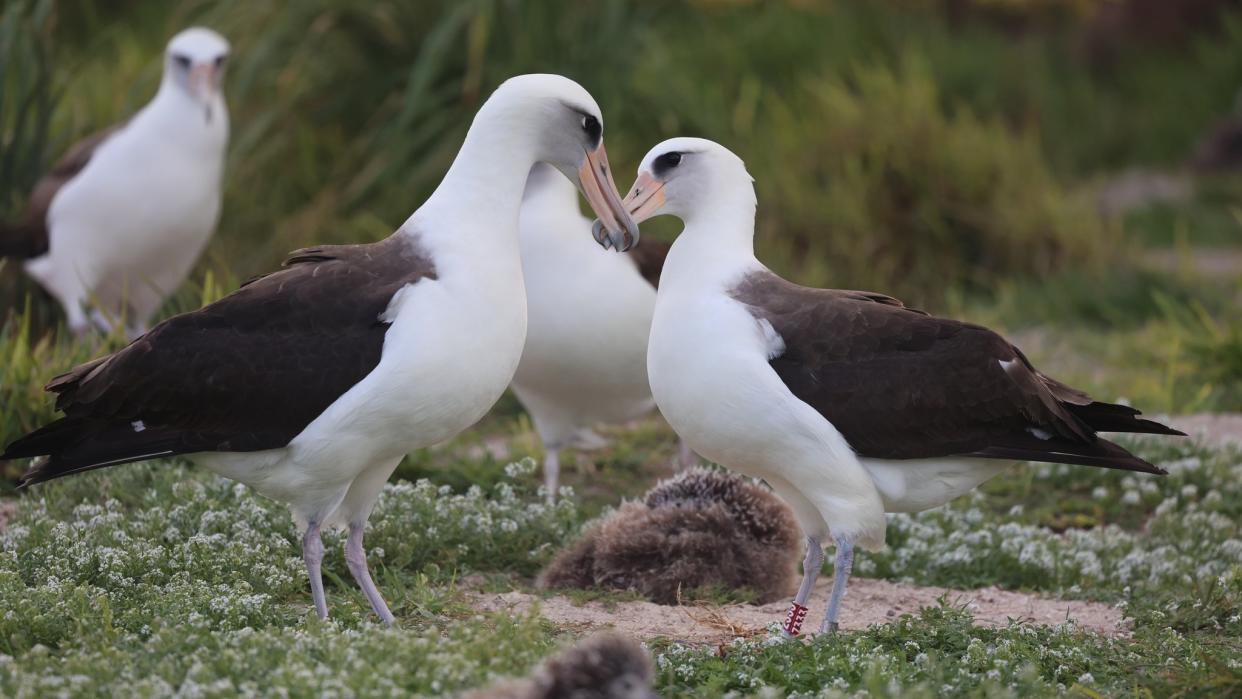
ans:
(585, 360)
(120, 220)
(847, 403)
(311, 383)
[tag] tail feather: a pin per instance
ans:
(19, 240)
(74, 445)
(1099, 452)
(1110, 417)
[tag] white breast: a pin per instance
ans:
(128, 228)
(708, 364)
(138, 200)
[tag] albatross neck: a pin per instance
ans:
(476, 206)
(185, 124)
(718, 240)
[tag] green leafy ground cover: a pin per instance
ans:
(160, 577)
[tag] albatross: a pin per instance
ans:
(847, 403)
(311, 383)
(120, 219)
(585, 360)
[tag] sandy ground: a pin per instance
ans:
(866, 602)
(1217, 428)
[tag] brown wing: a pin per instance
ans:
(900, 384)
(649, 256)
(245, 373)
(30, 238)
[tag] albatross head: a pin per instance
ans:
(567, 128)
(684, 176)
(194, 62)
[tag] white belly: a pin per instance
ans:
(914, 485)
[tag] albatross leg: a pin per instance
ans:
(356, 559)
(840, 576)
(686, 458)
(312, 553)
(810, 571)
(551, 471)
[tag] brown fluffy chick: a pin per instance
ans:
(703, 528)
(607, 665)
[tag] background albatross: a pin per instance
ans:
(312, 382)
(585, 360)
(119, 221)
(847, 403)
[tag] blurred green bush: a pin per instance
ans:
(895, 146)
(871, 183)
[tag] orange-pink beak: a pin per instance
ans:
(646, 197)
(614, 227)
(204, 80)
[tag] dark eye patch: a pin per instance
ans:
(593, 130)
(221, 60)
(666, 162)
(181, 60)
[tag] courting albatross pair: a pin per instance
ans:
(311, 383)
(847, 403)
(119, 221)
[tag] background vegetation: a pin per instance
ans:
(966, 155)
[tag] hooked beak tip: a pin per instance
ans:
(626, 239)
(620, 241)
(600, 234)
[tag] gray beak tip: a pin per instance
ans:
(617, 240)
(626, 239)
(597, 231)
(600, 234)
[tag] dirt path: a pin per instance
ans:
(867, 602)
(1217, 428)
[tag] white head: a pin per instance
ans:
(689, 177)
(194, 62)
(565, 127)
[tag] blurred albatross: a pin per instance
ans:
(847, 403)
(312, 382)
(119, 221)
(585, 360)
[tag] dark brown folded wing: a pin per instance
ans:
(245, 373)
(900, 384)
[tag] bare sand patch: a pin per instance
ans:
(866, 602)
(1215, 428)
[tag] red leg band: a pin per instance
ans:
(794, 619)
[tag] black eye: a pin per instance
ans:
(592, 128)
(666, 162)
(183, 61)
(220, 61)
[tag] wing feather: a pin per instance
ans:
(901, 384)
(245, 373)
